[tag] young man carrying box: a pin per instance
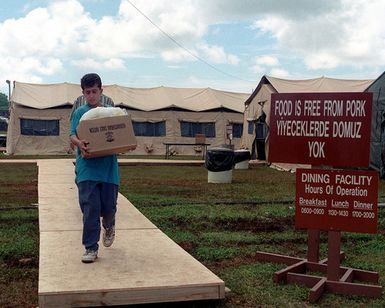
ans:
(97, 178)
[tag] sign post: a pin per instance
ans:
(327, 130)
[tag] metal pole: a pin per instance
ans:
(9, 92)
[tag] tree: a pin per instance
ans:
(3, 101)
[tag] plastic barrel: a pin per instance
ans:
(241, 159)
(219, 163)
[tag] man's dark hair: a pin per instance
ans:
(90, 80)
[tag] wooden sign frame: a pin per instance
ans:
(338, 279)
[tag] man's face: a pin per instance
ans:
(92, 95)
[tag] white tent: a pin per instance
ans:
(257, 107)
(377, 138)
(39, 116)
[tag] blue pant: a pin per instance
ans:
(96, 199)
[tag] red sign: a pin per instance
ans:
(339, 200)
(320, 128)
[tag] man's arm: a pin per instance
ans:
(77, 103)
(81, 144)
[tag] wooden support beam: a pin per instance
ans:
(316, 267)
(348, 276)
(348, 288)
(362, 275)
(317, 291)
(313, 245)
(303, 279)
(299, 267)
(276, 258)
(334, 244)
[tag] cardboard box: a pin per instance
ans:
(106, 136)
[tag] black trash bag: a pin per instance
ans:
(219, 159)
(241, 155)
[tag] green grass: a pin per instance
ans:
(18, 185)
(19, 240)
(222, 225)
(189, 185)
(252, 283)
(19, 236)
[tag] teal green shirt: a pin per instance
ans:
(100, 169)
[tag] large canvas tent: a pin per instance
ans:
(257, 107)
(39, 116)
(377, 139)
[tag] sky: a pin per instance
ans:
(223, 44)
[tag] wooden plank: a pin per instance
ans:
(64, 214)
(333, 264)
(348, 276)
(363, 275)
(317, 291)
(136, 296)
(303, 279)
(313, 242)
(61, 190)
(159, 162)
(56, 166)
(18, 161)
(359, 289)
(276, 258)
(142, 266)
(52, 173)
(281, 276)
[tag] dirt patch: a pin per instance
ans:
(18, 194)
(188, 246)
(218, 266)
(272, 224)
(22, 294)
(258, 225)
(22, 262)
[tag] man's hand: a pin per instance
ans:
(82, 146)
(84, 149)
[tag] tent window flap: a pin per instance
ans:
(33, 127)
(260, 130)
(190, 129)
(149, 129)
(237, 130)
(250, 127)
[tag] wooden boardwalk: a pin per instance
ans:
(142, 266)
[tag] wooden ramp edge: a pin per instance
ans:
(142, 266)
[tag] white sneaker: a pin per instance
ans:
(89, 256)
(108, 236)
